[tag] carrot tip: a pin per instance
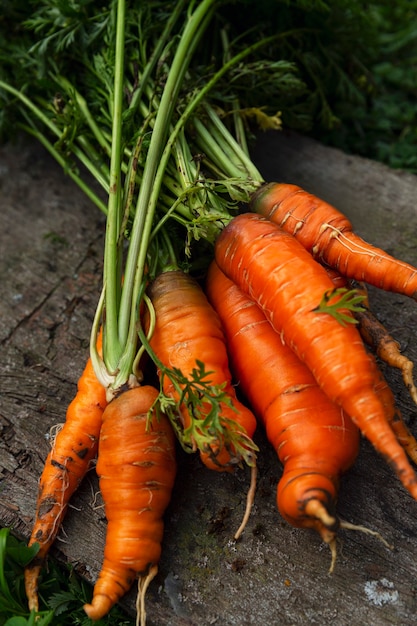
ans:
(99, 607)
(31, 586)
(143, 585)
(333, 551)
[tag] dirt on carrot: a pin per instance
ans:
(73, 449)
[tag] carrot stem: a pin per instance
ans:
(149, 190)
(70, 172)
(111, 250)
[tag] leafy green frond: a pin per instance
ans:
(64, 24)
(209, 431)
(61, 592)
(340, 303)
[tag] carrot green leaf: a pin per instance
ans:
(340, 303)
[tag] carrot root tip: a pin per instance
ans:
(32, 574)
(315, 508)
(333, 551)
(99, 607)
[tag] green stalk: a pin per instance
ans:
(112, 341)
(100, 171)
(70, 172)
(214, 151)
(155, 56)
(198, 98)
(79, 154)
(88, 117)
(150, 187)
(234, 151)
(237, 119)
(31, 106)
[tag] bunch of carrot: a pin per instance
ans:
(270, 318)
(297, 354)
(300, 363)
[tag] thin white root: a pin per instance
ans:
(143, 584)
(363, 529)
(53, 433)
(314, 508)
(249, 501)
(333, 551)
(349, 526)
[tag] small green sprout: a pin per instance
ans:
(339, 303)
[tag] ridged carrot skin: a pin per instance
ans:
(275, 270)
(328, 235)
(314, 439)
(137, 467)
(188, 329)
(74, 447)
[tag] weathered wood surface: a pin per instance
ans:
(51, 254)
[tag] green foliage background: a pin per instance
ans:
(357, 60)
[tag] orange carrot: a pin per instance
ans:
(386, 347)
(394, 416)
(281, 276)
(376, 335)
(74, 447)
(314, 439)
(188, 331)
(137, 467)
(328, 235)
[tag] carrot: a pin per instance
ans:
(74, 447)
(328, 235)
(137, 467)
(314, 439)
(274, 269)
(394, 416)
(376, 335)
(386, 347)
(187, 336)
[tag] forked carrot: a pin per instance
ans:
(188, 332)
(73, 449)
(328, 235)
(281, 276)
(137, 467)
